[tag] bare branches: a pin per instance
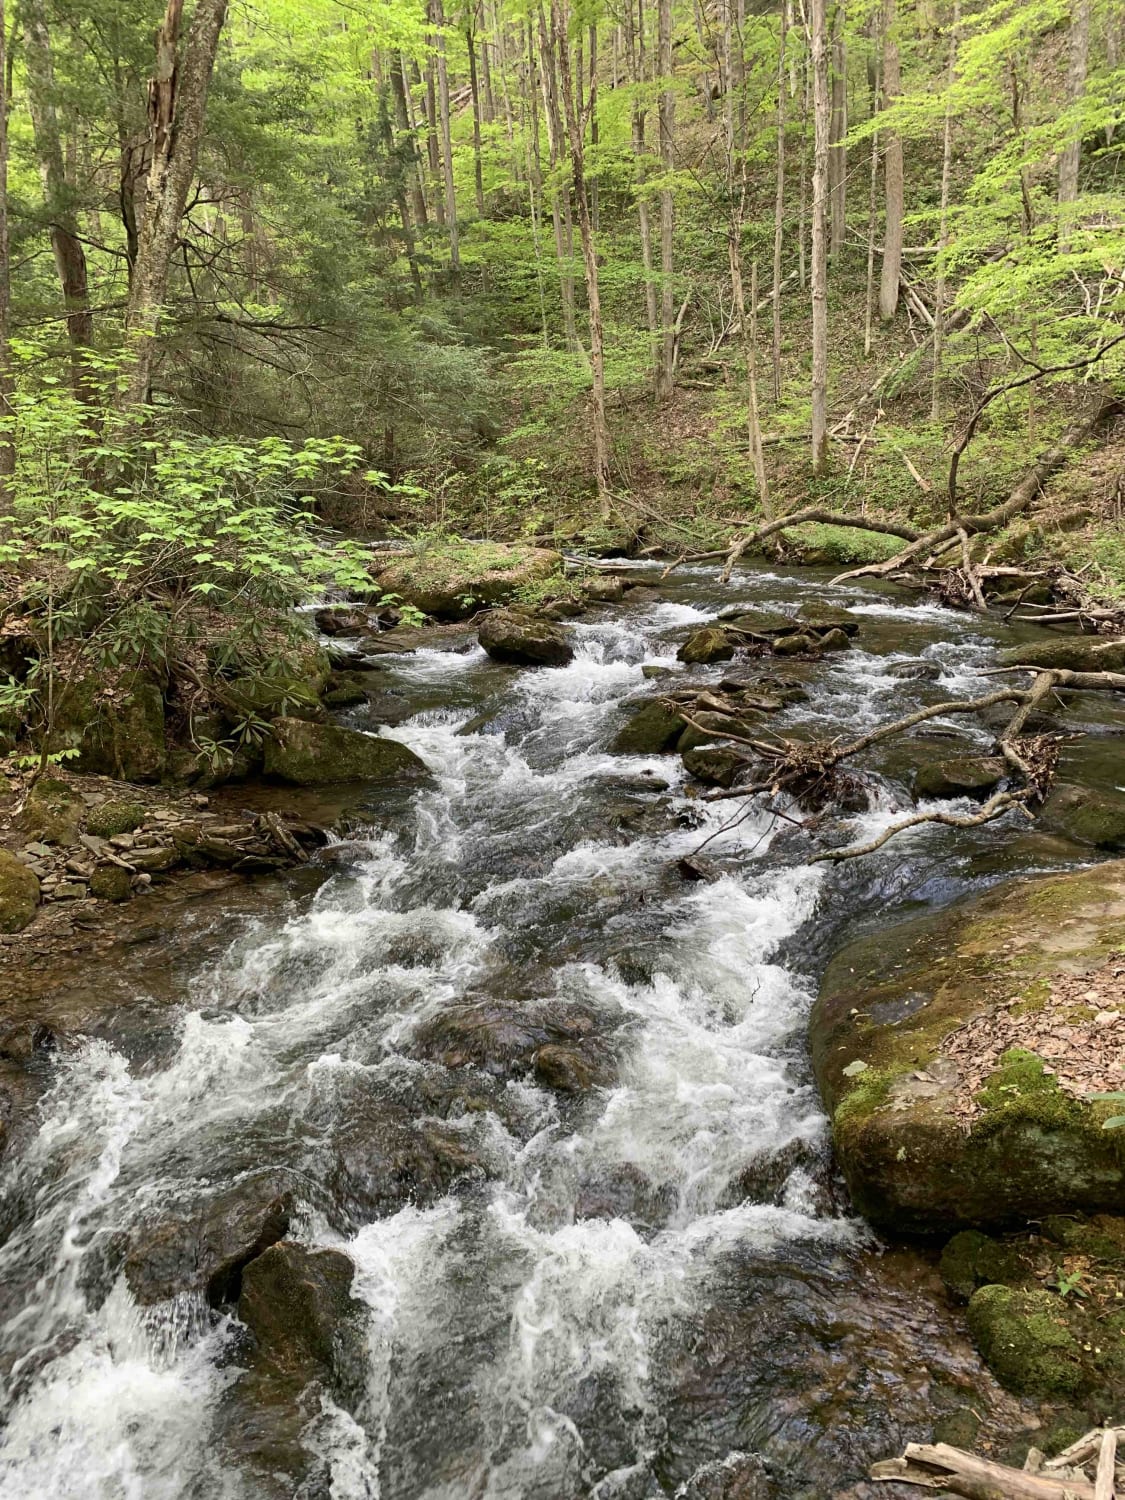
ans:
(996, 806)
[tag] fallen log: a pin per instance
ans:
(938, 1466)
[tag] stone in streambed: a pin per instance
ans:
(1077, 653)
(510, 635)
(922, 1155)
(307, 754)
(793, 645)
(973, 1259)
(1087, 816)
(111, 882)
(821, 618)
(654, 729)
(717, 765)
(452, 583)
(1037, 1344)
(712, 643)
(834, 640)
(572, 1070)
(975, 776)
(115, 816)
(19, 893)
(295, 1301)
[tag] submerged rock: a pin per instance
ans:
(937, 1124)
(295, 1301)
(717, 765)
(19, 893)
(306, 754)
(511, 635)
(1075, 653)
(711, 643)
(961, 776)
(654, 729)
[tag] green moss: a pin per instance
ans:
(19, 893)
(52, 812)
(1021, 1089)
(115, 816)
(972, 1259)
(843, 544)
(1025, 1339)
(869, 1092)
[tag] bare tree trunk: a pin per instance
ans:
(433, 150)
(70, 258)
(488, 101)
(1071, 156)
(447, 146)
(576, 131)
(560, 203)
(872, 196)
(595, 185)
(779, 207)
(636, 50)
(892, 174)
(943, 221)
(838, 130)
(803, 188)
(749, 324)
(177, 104)
(535, 182)
(666, 366)
(7, 383)
(820, 237)
(405, 121)
(474, 90)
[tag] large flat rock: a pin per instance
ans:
(964, 1057)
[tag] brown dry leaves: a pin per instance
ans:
(1079, 1032)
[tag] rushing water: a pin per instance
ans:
(618, 1291)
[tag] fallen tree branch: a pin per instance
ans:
(996, 806)
(817, 514)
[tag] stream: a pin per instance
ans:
(623, 1271)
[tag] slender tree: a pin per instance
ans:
(837, 133)
(7, 383)
(666, 366)
(892, 174)
(1071, 156)
(819, 277)
(943, 217)
(779, 206)
(447, 147)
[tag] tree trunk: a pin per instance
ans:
(803, 186)
(636, 48)
(665, 368)
(589, 259)
(177, 104)
(560, 204)
(892, 174)
(70, 258)
(1076, 84)
(405, 121)
(838, 129)
(447, 147)
(820, 237)
(7, 383)
(872, 197)
(779, 207)
(943, 220)
(474, 90)
(488, 100)
(433, 150)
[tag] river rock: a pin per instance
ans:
(711, 643)
(717, 765)
(974, 776)
(794, 645)
(936, 1046)
(608, 590)
(19, 893)
(52, 812)
(306, 754)
(822, 618)
(511, 635)
(567, 1046)
(453, 583)
(342, 619)
(124, 739)
(1074, 653)
(833, 640)
(654, 729)
(1087, 816)
(295, 1301)
(207, 1250)
(1040, 1344)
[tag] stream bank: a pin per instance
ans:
(493, 1165)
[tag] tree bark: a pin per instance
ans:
(447, 147)
(943, 220)
(433, 150)
(177, 105)
(820, 238)
(575, 132)
(666, 366)
(404, 118)
(70, 258)
(872, 195)
(7, 382)
(838, 130)
(560, 203)
(1071, 157)
(636, 51)
(892, 174)
(474, 90)
(779, 206)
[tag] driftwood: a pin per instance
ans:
(938, 1466)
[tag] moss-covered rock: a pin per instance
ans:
(306, 754)
(117, 815)
(52, 812)
(110, 882)
(117, 733)
(512, 635)
(452, 580)
(1075, 653)
(710, 643)
(1027, 1342)
(1087, 816)
(290, 687)
(19, 893)
(973, 1259)
(717, 765)
(960, 776)
(913, 1159)
(654, 729)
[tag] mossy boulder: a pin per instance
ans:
(1026, 1340)
(717, 765)
(916, 1159)
(511, 635)
(118, 732)
(19, 893)
(974, 776)
(711, 643)
(110, 882)
(290, 687)
(52, 812)
(654, 729)
(307, 754)
(452, 580)
(1074, 653)
(973, 1259)
(117, 815)
(1087, 816)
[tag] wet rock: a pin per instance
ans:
(717, 765)
(1078, 653)
(346, 690)
(115, 816)
(654, 729)
(624, 1191)
(513, 636)
(762, 623)
(920, 1154)
(1087, 816)
(1025, 1339)
(973, 1259)
(342, 620)
(692, 867)
(608, 590)
(833, 640)
(711, 643)
(707, 726)
(52, 812)
(208, 1251)
(296, 1301)
(739, 1476)
(19, 893)
(154, 859)
(567, 1046)
(305, 754)
(915, 671)
(454, 584)
(794, 645)
(572, 1070)
(654, 669)
(822, 618)
(975, 776)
